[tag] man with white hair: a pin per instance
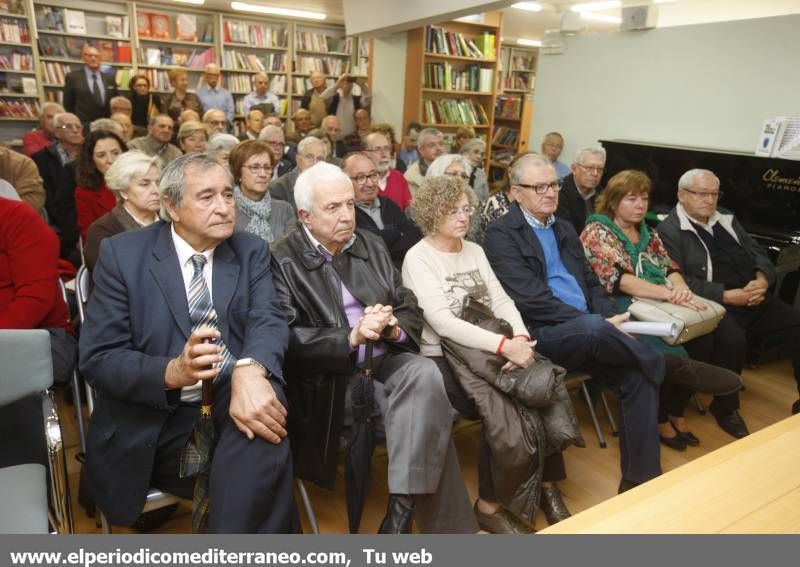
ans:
(310, 151)
(392, 184)
(430, 145)
(125, 124)
(157, 141)
(274, 137)
(45, 135)
(580, 189)
(215, 119)
(261, 95)
(213, 95)
(339, 291)
(107, 125)
(253, 122)
(552, 146)
(333, 128)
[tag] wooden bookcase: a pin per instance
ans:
(19, 86)
(442, 70)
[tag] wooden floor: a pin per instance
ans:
(593, 473)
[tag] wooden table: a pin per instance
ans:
(749, 486)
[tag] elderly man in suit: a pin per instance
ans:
(87, 91)
(339, 290)
(161, 293)
(581, 187)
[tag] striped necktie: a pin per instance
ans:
(201, 310)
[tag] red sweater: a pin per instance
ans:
(29, 293)
(34, 141)
(397, 189)
(91, 204)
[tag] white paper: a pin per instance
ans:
(652, 329)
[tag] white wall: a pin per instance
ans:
(707, 85)
(388, 80)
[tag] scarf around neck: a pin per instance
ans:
(642, 265)
(258, 211)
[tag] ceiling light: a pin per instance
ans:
(528, 6)
(195, 2)
(601, 18)
(662, 1)
(592, 6)
(529, 42)
(259, 9)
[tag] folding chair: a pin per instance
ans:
(580, 379)
(26, 368)
(76, 381)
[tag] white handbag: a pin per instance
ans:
(691, 324)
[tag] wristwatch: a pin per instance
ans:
(250, 362)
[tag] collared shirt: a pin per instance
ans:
(185, 252)
(90, 81)
(562, 169)
(373, 210)
(534, 222)
(253, 98)
(707, 226)
(409, 157)
(63, 154)
(218, 98)
(140, 223)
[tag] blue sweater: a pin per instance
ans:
(563, 284)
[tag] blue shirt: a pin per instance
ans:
(218, 98)
(252, 99)
(562, 169)
(90, 81)
(409, 157)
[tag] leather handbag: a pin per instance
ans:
(691, 324)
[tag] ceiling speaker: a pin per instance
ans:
(639, 18)
(571, 22)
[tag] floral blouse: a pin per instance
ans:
(607, 256)
(496, 206)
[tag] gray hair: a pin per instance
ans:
(155, 117)
(259, 75)
(441, 163)
(173, 178)
(586, 150)
(322, 175)
(427, 133)
(128, 166)
(116, 99)
(270, 129)
(61, 116)
(210, 111)
(469, 144)
(306, 142)
(106, 124)
(50, 104)
(688, 179)
(221, 141)
(524, 162)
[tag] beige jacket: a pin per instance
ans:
(21, 172)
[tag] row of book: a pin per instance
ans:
(19, 107)
(519, 81)
(12, 6)
(13, 30)
(54, 96)
(470, 78)
(17, 84)
(238, 106)
(523, 62)
(255, 35)
(159, 80)
(242, 84)
(55, 19)
(451, 111)
(508, 107)
(314, 41)
(167, 56)
(327, 65)
(55, 73)
(444, 42)
(301, 84)
(505, 136)
(159, 26)
(70, 48)
(253, 62)
(17, 61)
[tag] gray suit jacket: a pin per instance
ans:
(283, 187)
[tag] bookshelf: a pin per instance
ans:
(513, 107)
(451, 71)
(19, 87)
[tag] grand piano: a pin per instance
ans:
(763, 192)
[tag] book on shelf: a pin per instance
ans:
(12, 6)
(122, 77)
(13, 30)
(315, 41)
(19, 107)
(508, 107)
(143, 24)
(247, 61)
(451, 111)
(159, 26)
(523, 62)
(186, 27)
(54, 96)
(254, 35)
(505, 136)
(444, 77)
(29, 86)
(116, 26)
(301, 84)
(49, 18)
(64, 47)
(328, 65)
(486, 43)
(177, 56)
(443, 42)
(55, 73)
(16, 61)
(75, 21)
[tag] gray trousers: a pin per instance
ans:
(418, 419)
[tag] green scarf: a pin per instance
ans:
(650, 272)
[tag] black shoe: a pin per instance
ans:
(732, 424)
(149, 521)
(553, 505)
(398, 517)
(504, 521)
(675, 442)
(686, 436)
(796, 407)
(625, 485)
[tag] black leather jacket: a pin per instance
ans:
(320, 362)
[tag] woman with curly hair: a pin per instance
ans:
(93, 198)
(441, 270)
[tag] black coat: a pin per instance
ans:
(517, 258)
(320, 362)
(399, 232)
(59, 186)
(79, 100)
(571, 206)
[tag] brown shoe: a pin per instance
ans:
(553, 506)
(503, 521)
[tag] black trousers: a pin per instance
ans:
(553, 470)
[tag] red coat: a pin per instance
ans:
(29, 293)
(397, 189)
(34, 141)
(91, 204)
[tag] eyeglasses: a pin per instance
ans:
(381, 149)
(705, 194)
(361, 179)
(312, 158)
(592, 168)
(466, 211)
(457, 174)
(70, 127)
(256, 167)
(542, 188)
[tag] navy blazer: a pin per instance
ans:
(138, 320)
(517, 258)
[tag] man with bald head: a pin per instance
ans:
(333, 128)
(261, 95)
(45, 135)
(302, 125)
(313, 101)
(125, 123)
(87, 91)
(310, 151)
(273, 136)
(212, 95)
(254, 121)
(215, 119)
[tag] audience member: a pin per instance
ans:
(430, 145)
(125, 124)
(133, 178)
(343, 104)
(253, 123)
(193, 137)
(87, 91)
(180, 99)
(188, 115)
(302, 125)
(539, 260)
(20, 171)
(122, 105)
(45, 134)
(274, 138)
(722, 262)
(581, 187)
(408, 152)
(463, 135)
(257, 212)
(273, 120)
(145, 105)
(313, 101)
(454, 165)
(213, 95)
(157, 141)
(333, 128)
(473, 151)
(152, 294)
(425, 482)
(631, 262)
(320, 134)
(391, 183)
(216, 121)
(309, 152)
(261, 95)
(386, 129)
(106, 124)
(552, 146)
(220, 145)
(363, 125)
(377, 213)
(92, 196)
